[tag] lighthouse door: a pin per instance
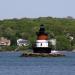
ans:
(41, 44)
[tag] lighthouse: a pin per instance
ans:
(41, 44)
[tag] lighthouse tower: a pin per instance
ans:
(42, 45)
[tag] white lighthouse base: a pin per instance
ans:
(41, 43)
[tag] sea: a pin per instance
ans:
(12, 64)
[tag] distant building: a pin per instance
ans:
(22, 42)
(53, 41)
(69, 17)
(4, 41)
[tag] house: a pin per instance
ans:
(22, 42)
(53, 41)
(4, 41)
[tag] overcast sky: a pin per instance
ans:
(36, 8)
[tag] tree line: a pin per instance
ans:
(26, 28)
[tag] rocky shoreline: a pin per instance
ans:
(42, 55)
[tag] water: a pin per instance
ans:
(12, 64)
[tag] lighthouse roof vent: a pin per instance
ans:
(42, 30)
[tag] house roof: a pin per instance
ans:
(22, 41)
(2, 39)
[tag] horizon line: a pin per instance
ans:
(70, 17)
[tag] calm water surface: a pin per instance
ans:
(12, 64)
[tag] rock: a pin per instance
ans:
(42, 55)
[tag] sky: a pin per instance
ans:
(36, 8)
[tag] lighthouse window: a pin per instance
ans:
(41, 44)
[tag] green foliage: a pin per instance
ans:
(63, 43)
(23, 48)
(7, 48)
(27, 28)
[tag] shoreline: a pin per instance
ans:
(42, 55)
(31, 52)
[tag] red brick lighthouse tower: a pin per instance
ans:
(42, 45)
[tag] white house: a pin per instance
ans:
(22, 42)
(71, 38)
(53, 41)
(4, 41)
